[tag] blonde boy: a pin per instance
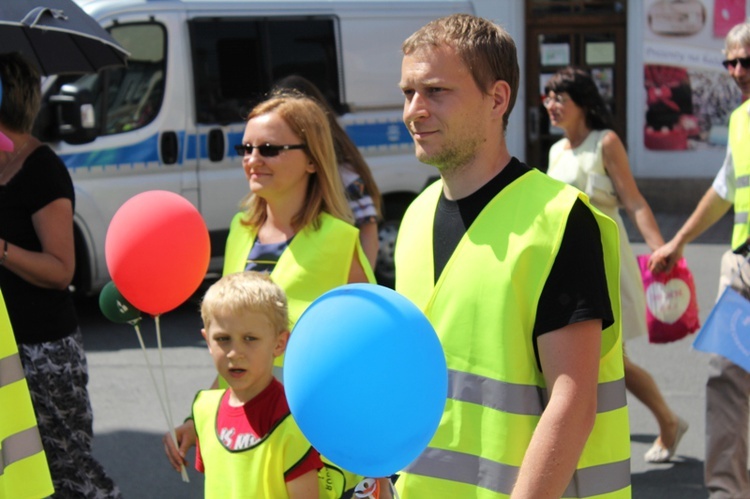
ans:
(248, 442)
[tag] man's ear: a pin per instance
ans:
(205, 337)
(281, 342)
(500, 92)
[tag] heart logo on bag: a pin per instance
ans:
(667, 302)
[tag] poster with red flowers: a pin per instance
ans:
(689, 95)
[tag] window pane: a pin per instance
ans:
(228, 68)
(576, 7)
(237, 61)
(132, 96)
(555, 50)
(308, 49)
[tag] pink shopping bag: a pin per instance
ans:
(671, 305)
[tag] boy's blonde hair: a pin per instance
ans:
(325, 191)
(246, 292)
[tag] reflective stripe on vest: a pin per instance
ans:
(740, 218)
(485, 323)
(523, 399)
(500, 478)
(23, 464)
(11, 370)
(739, 143)
(19, 446)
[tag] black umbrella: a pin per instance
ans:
(58, 36)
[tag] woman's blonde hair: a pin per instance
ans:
(325, 191)
(242, 292)
(345, 149)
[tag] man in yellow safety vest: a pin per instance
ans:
(519, 275)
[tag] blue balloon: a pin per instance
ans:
(366, 378)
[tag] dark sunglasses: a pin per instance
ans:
(732, 63)
(266, 150)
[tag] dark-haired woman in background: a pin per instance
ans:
(592, 158)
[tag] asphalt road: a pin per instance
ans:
(129, 422)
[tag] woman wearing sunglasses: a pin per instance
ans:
(592, 158)
(295, 222)
(360, 188)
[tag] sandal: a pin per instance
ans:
(660, 454)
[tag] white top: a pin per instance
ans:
(583, 167)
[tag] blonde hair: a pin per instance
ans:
(346, 150)
(325, 191)
(484, 47)
(246, 292)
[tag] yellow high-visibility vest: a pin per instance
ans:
(739, 142)
(259, 470)
(483, 307)
(24, 473)
(316, 261)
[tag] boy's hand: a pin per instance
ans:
(185, 438)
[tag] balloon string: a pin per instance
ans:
(158, 393)
(150, 370)
(168, 413)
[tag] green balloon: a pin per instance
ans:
(115, 307)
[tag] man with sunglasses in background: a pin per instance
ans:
(728, 385)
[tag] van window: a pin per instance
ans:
(129, 98)
(236, 61)
(134, 94)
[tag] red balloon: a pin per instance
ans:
(157, 250)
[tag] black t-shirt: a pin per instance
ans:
(576, 289)
(36, 314)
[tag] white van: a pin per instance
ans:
(170, 118)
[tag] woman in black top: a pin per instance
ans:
(37, 261)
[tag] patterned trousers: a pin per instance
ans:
(57, 375)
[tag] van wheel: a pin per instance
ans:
(385, 268)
